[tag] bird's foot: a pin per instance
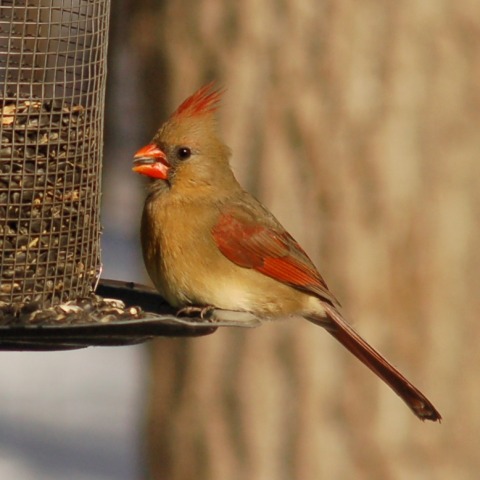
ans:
(193, 311)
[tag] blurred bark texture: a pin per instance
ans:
(357, 123)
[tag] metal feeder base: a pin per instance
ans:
(119, 313)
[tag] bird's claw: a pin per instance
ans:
(204, 313)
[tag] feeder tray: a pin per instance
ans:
(52, 90)
(96, 321)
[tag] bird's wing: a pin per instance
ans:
(268, 250)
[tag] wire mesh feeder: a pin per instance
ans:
(52, 68)
(52, 77)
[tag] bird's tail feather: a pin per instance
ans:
(352, 341)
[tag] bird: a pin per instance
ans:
(209, 244)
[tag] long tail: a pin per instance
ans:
(346, 335)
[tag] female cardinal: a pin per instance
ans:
(208, 243)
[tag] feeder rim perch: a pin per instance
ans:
(158, 319)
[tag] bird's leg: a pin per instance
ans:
(192, 310)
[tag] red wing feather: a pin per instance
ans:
(275, 254)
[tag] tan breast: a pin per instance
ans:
(187, 268)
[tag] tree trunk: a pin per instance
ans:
(357, 125)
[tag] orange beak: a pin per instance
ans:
(151, 161)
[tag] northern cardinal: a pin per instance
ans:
(208, 243)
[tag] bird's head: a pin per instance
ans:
(186, 152)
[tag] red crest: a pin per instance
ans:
(204, 101)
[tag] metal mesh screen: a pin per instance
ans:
(52, 84)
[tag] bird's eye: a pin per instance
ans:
(183, 153)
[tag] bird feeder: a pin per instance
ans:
(52, 69)
(52, 88)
